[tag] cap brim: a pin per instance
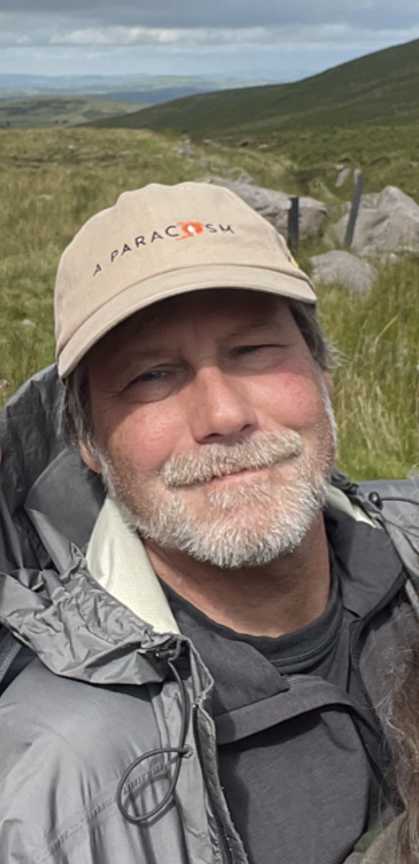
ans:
(143, 293)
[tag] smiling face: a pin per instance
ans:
(212, 426)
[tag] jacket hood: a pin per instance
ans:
(77, 629)
(49, 504)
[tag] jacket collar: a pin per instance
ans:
(74, 620)
(117, 559)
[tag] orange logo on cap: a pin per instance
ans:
(190, 229)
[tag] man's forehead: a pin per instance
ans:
(235, 305)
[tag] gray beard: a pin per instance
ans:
(249, 524)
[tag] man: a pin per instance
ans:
(208, 662)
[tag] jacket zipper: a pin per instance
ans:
(171, 649)
(227, 853)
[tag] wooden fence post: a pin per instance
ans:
(353, 214)
(294, 224)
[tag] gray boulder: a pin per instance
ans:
(274, 206)
(344, 269)
(387, 222)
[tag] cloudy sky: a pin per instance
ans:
(260, 39)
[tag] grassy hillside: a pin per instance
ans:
(379, 88)
(54, 179)
(386, 155)
(39, 111)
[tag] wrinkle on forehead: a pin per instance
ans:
(232, 301)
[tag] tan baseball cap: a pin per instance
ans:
(157, 242)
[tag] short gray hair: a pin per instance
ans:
(77, 416)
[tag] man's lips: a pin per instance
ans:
(234, 476)
(186, 472)
(239, 460)
(230, 477)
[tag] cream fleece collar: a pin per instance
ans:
(117, 558)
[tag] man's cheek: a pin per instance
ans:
(292, 401)
(143, 448)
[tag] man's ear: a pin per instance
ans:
(90, 459)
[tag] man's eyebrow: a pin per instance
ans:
(256, 324)
(135, 353)
(129, 356)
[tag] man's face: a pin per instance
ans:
(212, 426)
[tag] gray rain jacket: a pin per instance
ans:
(107, 743)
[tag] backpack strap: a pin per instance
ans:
(393, 504)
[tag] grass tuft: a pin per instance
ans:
(376, 387)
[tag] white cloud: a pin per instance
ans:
(114, 36)
(168, 36)
(299, 38)
(10, 38)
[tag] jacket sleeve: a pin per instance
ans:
(25, 795)
(64, 746)
(50, 810)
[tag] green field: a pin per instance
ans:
(54, 179)
(43, 111)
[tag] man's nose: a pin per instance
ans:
(219, 406)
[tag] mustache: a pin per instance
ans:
(263, 450)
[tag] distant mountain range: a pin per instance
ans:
(379, 88)
(146, 89)
(34, 101)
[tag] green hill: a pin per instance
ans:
(379, 88)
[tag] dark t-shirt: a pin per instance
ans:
(297, 779)
(320, 648)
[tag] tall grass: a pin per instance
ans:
(376, 392)
(52, 180)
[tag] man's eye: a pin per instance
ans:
(248, 349)
(258, 357)
(245, 349)
(153, 375)
(153, 384)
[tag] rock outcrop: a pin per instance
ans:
(345, 269)
(388, 222)
(274, 206)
